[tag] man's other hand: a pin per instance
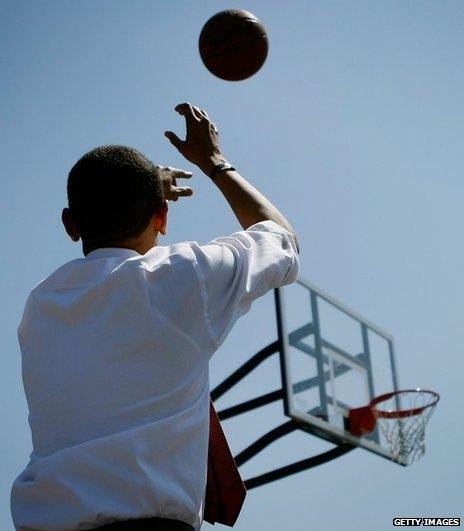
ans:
(169, 177)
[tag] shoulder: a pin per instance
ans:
(55, 278)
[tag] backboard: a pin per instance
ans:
(332, 360)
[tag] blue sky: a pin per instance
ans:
(354, 127)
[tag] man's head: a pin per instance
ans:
(115, 197)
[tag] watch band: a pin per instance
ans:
(222, 166)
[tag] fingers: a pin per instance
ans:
(190, 112)
(181, 174)
(212, 125)
(183, 191)
(169, 176)
(198, 114)
(176, 173)
(177, 191)
(201, 135)
(203, 113)
(191, 117)
(174, 139)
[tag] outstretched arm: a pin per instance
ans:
(201, 147)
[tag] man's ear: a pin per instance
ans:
(70, 225)
(161, 219)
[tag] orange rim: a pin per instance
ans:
(402, 413)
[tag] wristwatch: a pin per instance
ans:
(222, 166)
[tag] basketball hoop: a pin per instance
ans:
(402, 417)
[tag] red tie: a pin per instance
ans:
(225, 491)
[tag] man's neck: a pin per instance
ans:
(140, 247)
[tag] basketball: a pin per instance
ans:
(233, 44)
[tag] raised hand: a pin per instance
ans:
(201, 145)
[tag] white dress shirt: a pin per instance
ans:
(115, 349)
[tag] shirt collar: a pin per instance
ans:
(107, 252)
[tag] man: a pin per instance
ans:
(115, 346)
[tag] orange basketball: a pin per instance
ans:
(233, 44)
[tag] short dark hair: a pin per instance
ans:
(113, 191)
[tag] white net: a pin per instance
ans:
(402, 419)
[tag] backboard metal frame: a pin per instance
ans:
(324, 352)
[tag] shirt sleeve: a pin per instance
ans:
(237, 269)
